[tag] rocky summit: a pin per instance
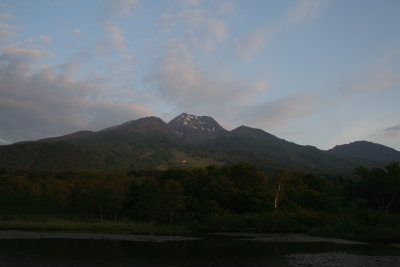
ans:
(196, 127)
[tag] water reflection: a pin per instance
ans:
(212, 251)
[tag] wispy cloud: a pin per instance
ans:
(383, 75)
(278, 113)
(7, 31)
(355, 131)
(46, 39)
(178, 80)
(6, 16)
(77, 32)
(203, 27)
(254, 42)
(122, 7)
(58, 2)
(391, 132)
(306, 11)
(218, 29)
(248, 46)
(381, 79)
(115, 36)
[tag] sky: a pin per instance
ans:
(314, 72)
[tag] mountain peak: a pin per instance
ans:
(185, 118)
(244, 128)
(366, 150)
(142, 125)
(254, 132)
(197, 127)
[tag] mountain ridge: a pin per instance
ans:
(186, 141)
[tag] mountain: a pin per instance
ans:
(274, 153)
(186, 141)
(366, 151)
(196, 128)
(142, 126)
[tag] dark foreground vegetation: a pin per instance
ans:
(230, 198)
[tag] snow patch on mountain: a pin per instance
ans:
(198, 123)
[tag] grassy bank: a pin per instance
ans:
(382, 233)
(363, 233)
(362, 225)
(50, 224)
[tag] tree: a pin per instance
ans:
(55, 194)
(393, 183)
(281, 179)
(173, 200)
(380, 187)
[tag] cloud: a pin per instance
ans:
(218, 29)
(46, 39)
(77, 32)
(6, 16)
(37, 102)
(356, 130)
(391, 132)
(19, 60)
(122, 7)
(306, 11)
(14, 51)
(115, 36)
(252, 43)
(189, 2)
(58, 2)
(179, 81)
(7, 31)
(115, 41)
(277, 113)
(202, 27)
(380, 79)
(381, 76)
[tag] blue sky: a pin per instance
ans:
(315, 72)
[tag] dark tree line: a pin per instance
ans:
(193, 195)
(380, 187)
(88, 195)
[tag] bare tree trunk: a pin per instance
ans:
(170, 216)
(115, 215)
(390, 202)
(276, 202)
(91, 210)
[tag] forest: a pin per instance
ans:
(234, 197)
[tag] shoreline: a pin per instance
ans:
(60, 226)
(104, 227)
(253, 237)
(21, 234)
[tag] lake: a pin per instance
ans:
(89, 250)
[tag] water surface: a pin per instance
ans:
(214, 250)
